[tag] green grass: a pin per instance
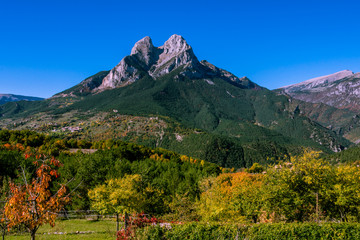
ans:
(104, 229)
(95, 236)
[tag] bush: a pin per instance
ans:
(203, 231)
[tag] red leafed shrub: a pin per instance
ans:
(135, 221)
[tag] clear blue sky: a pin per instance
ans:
(48, 46)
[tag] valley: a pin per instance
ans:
(185, 141)
(193, 100)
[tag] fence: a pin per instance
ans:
(82, 214)
(122, 221)
(88, 214)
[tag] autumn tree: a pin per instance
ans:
(232, 196)
(297, 190)
(118, 196)
(32, 203)
(3, 219)
(346, 192)
(182, 208)
(4, 190)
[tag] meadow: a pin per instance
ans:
(69, 229)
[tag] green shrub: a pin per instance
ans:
(204, 231)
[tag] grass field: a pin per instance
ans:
(96, 230)
(106, 230)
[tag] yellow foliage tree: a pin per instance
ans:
(118, 196)
(231, 196)
(346, 191)
(296, 190)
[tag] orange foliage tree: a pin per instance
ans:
(34, 204)
(3, 196)
(3, 220)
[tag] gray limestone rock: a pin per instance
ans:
(121, 75)
(146, 59)
(174, 53)
(145, 52)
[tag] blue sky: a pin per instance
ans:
(49, 46)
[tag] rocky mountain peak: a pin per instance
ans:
(175, 52)
(145, 51)
(174, 45)
(146, 59)
(142, 46)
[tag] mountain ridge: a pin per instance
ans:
(332, 100)
(147, 60)
(214, 109)
(4, 98)
(314, 82)
(338, 90)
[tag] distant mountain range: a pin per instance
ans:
(340, 90)
(165, 97)
(332, 100)
(4, 98)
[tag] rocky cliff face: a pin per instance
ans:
(340, 90)
(145, 52)
(147, 60)
(174, 53)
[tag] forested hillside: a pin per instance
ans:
(174, 186)
(165, 97)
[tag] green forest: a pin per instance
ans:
(118, 177)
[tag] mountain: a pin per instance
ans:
(332, 100)
(4, 98)
(146, 60)
(165, 97)
(340, 90)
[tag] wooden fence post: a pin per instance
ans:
(126, 219)
(117, 222)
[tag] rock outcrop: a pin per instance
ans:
(123, 74)
(146, 59)
(174, 53)
(145, 52)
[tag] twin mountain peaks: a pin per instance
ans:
(165, 97)
(147, 60)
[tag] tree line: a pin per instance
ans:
(125, 177)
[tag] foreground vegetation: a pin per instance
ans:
(203, 231)
(74, 229)
(104, 230)
(120, 177)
